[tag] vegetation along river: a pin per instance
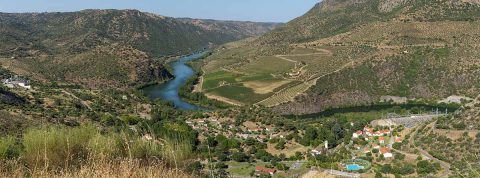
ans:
(169, 91)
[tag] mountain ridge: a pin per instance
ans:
(421, 50)
(124, 40)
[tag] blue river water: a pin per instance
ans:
(169, 91)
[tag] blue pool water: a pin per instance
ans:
(354, 167)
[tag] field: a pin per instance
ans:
(239, 75)
(250, 82)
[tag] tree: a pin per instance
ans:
(280, 145)
(263, 155)
(337, 131)
(425, 167)
(397, 146)
(386, 168)
(400, 156)
(281, 166)
(250, 141)
(239, 157)
(221, 156)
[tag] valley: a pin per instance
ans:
(352, 88)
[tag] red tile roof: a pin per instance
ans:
(384, 131)
(398, 139)
(265, 170)
(384, 150)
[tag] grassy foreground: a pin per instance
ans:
(99, 168)
(86, 151)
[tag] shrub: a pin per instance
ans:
(131, 120)
(9, 148)
(239, 157)
(425, 167)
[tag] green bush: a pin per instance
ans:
(9, 148)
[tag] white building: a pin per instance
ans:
(17, 82)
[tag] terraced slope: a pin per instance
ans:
(407, 48)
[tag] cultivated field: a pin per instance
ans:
(266, 80)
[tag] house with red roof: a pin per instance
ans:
(381, 140)
(385, 151)
(366, 150)
(262, 170)
(357, 134)
(385, 132)
(368, 131)
(398, 139)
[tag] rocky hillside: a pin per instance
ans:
(333, 17)
(99, 48)
(418, 49)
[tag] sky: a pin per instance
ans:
(245, 10)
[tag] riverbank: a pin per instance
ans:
(169, 91)
(417, 106)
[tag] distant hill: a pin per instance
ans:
(108, 47)
(355, 52)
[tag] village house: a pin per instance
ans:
(368, 131)
(15, 82)
(357, 134)
(375, 146)
(315, 152)
(357, 146)
(381, 140)
(366, 150)
(268, 128)
(385, 151)
(398, 139)
(261, 170)
(385, 132)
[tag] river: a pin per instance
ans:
(169, 91)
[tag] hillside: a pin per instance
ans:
(355, 52)
(97, 48)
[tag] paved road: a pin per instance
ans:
(445, 166)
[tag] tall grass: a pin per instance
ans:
(8, 148)
(85, 152)
(98, 169)
(56, 146)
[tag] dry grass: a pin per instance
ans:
(97, 169)
(290, 149)
(265, 87)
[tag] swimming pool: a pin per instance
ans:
(354, 167)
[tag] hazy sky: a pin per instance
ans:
(252, 10)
